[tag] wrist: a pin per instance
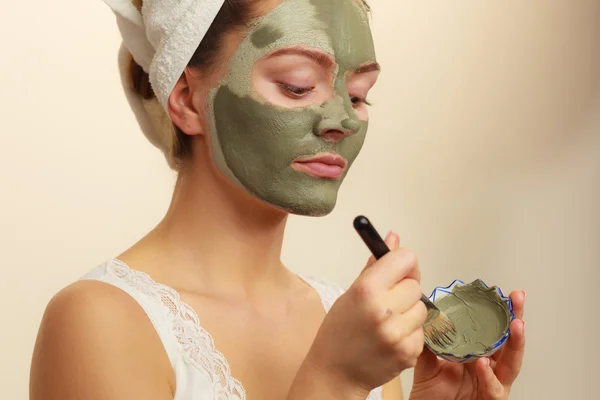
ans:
(419, 393)
(314, 382)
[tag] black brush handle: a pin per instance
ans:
(370, 236)
(377, 245)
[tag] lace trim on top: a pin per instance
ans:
(196, 345)
(328, 292)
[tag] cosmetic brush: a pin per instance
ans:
(438, 328)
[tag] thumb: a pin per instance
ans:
(393, 242)
(489, 386)
(427, 367)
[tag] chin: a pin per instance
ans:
(305, 203)
(295, 193)
(312, 210)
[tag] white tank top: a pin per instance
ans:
(201, 371)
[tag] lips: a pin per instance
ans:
(323, 165)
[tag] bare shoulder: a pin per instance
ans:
(96, 342)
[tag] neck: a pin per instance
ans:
(219, 235)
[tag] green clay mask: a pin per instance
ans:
(480, 316)
(254, 142)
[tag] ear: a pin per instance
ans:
(182, 109)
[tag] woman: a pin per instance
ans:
(262, 110)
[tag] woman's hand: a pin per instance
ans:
(375, 329)
(487, 379)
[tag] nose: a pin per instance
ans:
(338, 120)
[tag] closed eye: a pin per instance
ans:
(358, 100)
(293, 91)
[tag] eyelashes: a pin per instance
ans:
(358, 100)
(297, 93)
(293, 91)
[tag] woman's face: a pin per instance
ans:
(290, 115)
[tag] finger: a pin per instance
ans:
(403, 296)
(489, 386)
(427, 366)
(509, 364)
(414, 344)
(390, 269)
(392, 240)
(400, 326)
(415, 317)
(517, 298)
(497, 355)
(416, 273)
(493, 364)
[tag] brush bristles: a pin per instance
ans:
(441, 331)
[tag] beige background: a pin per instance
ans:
(483, 153)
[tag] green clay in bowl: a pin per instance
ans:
(482, 316)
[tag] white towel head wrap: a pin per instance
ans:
(162, 39)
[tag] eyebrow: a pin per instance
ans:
(372, 66)
(320, 58)
(323, 59)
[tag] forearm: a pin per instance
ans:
(312, 384)
(393, 390)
